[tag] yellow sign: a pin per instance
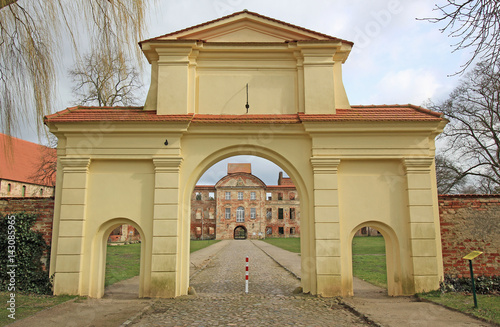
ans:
(472, 255)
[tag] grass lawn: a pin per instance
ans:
(368, 260)
(27, 305)
(198, 245)
(368, 245)
(488, 305)
(122, 262)
(290, 244)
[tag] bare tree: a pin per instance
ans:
(44, 173)
(450, 177)
(475, 24)
(105, 80)
(30, 40)
(473, 134)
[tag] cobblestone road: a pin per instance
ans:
(221, 298)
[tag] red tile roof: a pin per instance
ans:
(331, 38)
(19, 159)
(95, 114)
(136, 114)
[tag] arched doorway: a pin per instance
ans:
(135, 250)
(240, 233)
(391, 254)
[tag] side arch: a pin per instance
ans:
(98, 256)
(392, 252)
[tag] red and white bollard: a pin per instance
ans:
(246, 277)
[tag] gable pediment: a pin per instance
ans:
(245, 27)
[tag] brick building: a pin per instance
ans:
(21, 168)
(240, 205)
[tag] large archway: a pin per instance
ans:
(346, 161)
(306, 225)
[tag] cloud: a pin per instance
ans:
(264, 169)
(406, 86)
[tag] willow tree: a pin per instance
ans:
(33, 34)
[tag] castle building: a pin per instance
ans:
(241, 206)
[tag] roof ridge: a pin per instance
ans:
(245, 11)
(409, 105)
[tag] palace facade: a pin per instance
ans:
(240, 206)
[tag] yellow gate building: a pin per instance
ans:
(353, 166)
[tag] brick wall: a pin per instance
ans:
(468, 223)
(43, 207)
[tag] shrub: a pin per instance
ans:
(21, 250)
(484, 284)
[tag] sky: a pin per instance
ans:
(396, 59)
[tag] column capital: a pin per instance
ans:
(418, 164)
(325, 165)
(75, 164)
(167, 164)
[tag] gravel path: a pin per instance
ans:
(221, 298)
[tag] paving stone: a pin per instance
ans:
(221, 298)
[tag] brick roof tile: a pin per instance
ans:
(20, 159)
(137, 114)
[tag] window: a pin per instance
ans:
(9, 187)
(41, 192)
(280, 196)
(240, 195)
(228, 213)
(292, 230)
(291, 195)
(228, 195)
(211, 195)
(269, 213)
(269, 230)
(252, 196)
(198, 213)
(292, 213)
(23, 191)
(280, 213)
(198, 196)
(269, 196)
(240, 215)
(211, 213)
(281, 230)
(253, 213)
(211, 231)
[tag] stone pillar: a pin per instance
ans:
(424, 224)
(327, 226)
(167, 249)
(319, 85)
(68, 271)
(174, 96)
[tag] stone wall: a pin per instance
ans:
(469, 223)
(43, 207)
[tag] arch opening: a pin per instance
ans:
(240, 233)
(255, 213)
(119, 258)
(375, 257)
